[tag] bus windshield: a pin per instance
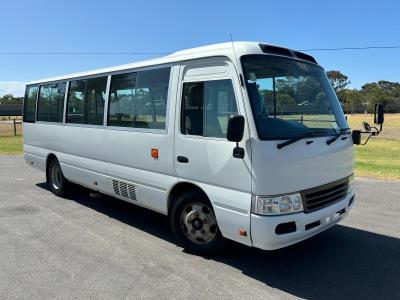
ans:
(290, 98)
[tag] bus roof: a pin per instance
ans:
(222, 49)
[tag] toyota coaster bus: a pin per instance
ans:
(235, 141)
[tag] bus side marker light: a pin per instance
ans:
(242, 232)
(154, 153)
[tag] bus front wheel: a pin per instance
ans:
(193, 222)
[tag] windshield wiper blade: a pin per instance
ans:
(300, 137)
(339, 134)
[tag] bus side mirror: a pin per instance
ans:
(235, 128)
(235, 133)
(379, 114)
(356, 136)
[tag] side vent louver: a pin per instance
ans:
(124, 189)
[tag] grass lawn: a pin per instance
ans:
(380, 158)
(391, 127)
(10, 144)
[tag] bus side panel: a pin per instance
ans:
(129, 161)
(34, 155)
(80, 151)
(82, 156)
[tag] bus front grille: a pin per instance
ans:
(124, 189)
(324, 195)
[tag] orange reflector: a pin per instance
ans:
(242, 232)
(154, 153)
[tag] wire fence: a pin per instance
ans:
(10, 126)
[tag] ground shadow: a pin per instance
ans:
(342, 262)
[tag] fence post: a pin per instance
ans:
(15, 128)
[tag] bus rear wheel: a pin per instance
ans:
(193, 222)
(55, 179)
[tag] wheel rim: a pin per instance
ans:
(56, 177)
(198, 223)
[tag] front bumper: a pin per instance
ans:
(263, 227)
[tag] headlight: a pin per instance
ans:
(284, 204)
(351, 184)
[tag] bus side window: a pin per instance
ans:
(139, 99)
(50, 106)
(85, 103)
(30, 104)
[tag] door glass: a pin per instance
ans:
(206, 108)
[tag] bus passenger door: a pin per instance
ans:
(209, 93)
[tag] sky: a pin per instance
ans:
(171, 25)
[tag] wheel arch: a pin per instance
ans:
(182, 187)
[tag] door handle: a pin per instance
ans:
(182, 159)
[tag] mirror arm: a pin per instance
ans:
(366, 141)
(238, 152)
(374, 133)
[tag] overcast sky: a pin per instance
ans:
(168, 26)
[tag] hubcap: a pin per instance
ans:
(55, 176)
(198, 223)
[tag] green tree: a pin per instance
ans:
(352, 101)
(338, 80)
(390, 88)
(373, 94)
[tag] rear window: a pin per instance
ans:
(30, 104)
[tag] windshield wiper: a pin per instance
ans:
(339, 134)
(301, 136)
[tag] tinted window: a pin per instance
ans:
(30, 103)
(207, 107)
(51, 102)
(85, 104)
(139, 99)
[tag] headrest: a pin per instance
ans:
(253, 90)
(196, 96)
(257, 99)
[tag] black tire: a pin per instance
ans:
(58, 184)
(215, 242)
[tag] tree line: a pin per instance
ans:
(10, 99)
(363, 100)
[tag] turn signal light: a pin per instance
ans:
(154, 153)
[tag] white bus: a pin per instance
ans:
(235, 141)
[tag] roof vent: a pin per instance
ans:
(275, 50)
(286, 52)
(304, 56)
